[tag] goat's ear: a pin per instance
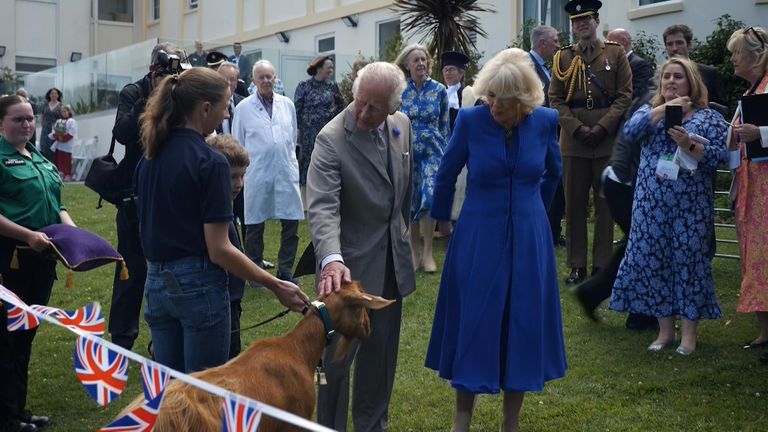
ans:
(372, 301)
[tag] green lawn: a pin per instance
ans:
(612, 384)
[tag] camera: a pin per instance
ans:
(168, 64)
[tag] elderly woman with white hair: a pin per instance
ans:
(497, 324)
(749, 55)
(425, 102)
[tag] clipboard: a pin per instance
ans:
(754, 110)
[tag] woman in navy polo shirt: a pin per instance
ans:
(185, 207)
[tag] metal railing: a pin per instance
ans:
(727, 226)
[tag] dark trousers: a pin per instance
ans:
(289, 244)
(619, 198)
(374, 373)
(127, 295)
(235, 311)
(557, 211)
(32, 282)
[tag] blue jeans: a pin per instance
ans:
(187, 311)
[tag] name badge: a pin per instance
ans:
(14, 162)
(667, 169)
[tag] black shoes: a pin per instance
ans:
(587, 303)
(641, 322)
(266, 265)
(577, 276)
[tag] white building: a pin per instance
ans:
(39, 34)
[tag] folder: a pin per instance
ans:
(754, 110)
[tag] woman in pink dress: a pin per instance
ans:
(749, 55)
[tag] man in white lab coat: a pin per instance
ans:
(265, 123)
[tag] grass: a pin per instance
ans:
(612, 383)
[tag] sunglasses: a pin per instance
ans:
(21, 120)
(757, 35)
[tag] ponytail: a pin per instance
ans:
(174, 100)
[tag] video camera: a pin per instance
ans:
(168, 64)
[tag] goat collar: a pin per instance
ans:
(322, 312)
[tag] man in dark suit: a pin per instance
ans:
(358, 205)
(231, 73)
(678, 41)
(642, 72)
(544, 45)
(241, 61)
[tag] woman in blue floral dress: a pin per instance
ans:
(317, 101)
(425, 102)
(667, 270)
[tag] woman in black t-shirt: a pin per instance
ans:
(185, 207)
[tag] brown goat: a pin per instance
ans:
(276, 371)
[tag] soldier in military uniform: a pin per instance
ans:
(591, 87)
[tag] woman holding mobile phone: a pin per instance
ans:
(667, 269)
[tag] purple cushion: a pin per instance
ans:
(78, 249)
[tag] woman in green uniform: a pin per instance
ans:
(30, 199)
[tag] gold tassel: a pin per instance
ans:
(124, 272)
(15, 259)
(70, 280)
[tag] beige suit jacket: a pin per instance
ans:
(355, 208)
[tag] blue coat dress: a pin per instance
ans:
(497, 322)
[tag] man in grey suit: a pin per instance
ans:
(358, 205)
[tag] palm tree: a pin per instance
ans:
(444, 24)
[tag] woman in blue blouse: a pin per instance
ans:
(425, 102)
(185, 209)
(317, 101)
(667, 269)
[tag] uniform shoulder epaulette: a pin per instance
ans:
(607, 42)
(566, 47)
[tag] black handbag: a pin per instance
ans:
(104, 179)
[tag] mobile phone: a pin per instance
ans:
(673, 116)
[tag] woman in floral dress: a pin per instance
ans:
(749, 56)
(667, 269)
(425, 102)
(317, 101)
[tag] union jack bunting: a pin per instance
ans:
(240, 415)
(102, 371)
(155, 379)
(18, 318)
(87, 319)
(141, 419)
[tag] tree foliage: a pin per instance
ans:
(648, 47)
(445, 25)
(715, 52)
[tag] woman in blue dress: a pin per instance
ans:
(497, 324)
(667, 269)
(317, 101)
(425, 102)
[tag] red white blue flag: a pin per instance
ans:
(87, 319)
(155, 379)
(18, 318)
(102, 371)
(141, 419)
(240, 415)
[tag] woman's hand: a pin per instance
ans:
(680, 136)
(333, 274)
(747, 132)
(290, 295)
(38, 241)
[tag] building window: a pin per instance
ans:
(155, 10)
(116, 10)
(387, 32)
(549, 12)
(326, 44)
(647, 2)
(26, 64)
(192, 4)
